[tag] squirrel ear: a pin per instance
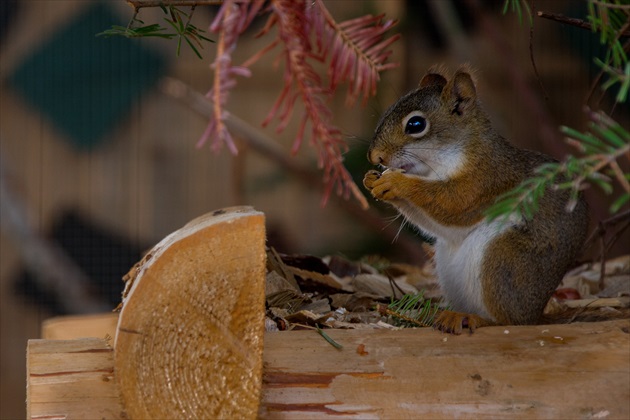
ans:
(461, 93)
(433, 79)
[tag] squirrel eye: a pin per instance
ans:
(415, 124)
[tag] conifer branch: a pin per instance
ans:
(231, 21)
(411, 310)
(356, 52)
(300, 76)
(603, 146)
(357, 55)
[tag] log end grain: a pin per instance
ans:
(190, 333)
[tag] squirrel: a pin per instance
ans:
(444, 166)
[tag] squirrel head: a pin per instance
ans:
(426, 132)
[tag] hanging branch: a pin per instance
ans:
(231, 21)
(175, 18)
(574, 22)
(302, 82)
(603, 146)
(564, 19)
(357, 54)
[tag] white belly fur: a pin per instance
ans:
(458, 256)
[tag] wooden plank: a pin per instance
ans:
(71, 379)
(554, 371)
(560, 371)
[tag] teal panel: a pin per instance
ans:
(86, 84)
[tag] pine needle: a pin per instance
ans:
(330, 340)
(412, 310)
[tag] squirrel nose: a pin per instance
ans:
(377, 157)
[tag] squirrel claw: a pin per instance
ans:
(454, 322)
(370, 178)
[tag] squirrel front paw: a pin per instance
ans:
(454, 322)
(370, 178)
(384, 186)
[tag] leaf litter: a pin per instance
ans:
(308, 292)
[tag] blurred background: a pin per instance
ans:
(98, 159)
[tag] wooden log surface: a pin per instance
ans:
(80, 326)
(71, 379)
(554, 371)
(189, 339)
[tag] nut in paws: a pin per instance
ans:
(369, 178)
(384, 186)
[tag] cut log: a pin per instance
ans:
(555, 371)
(190, 333)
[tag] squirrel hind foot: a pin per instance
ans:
(455, 322)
